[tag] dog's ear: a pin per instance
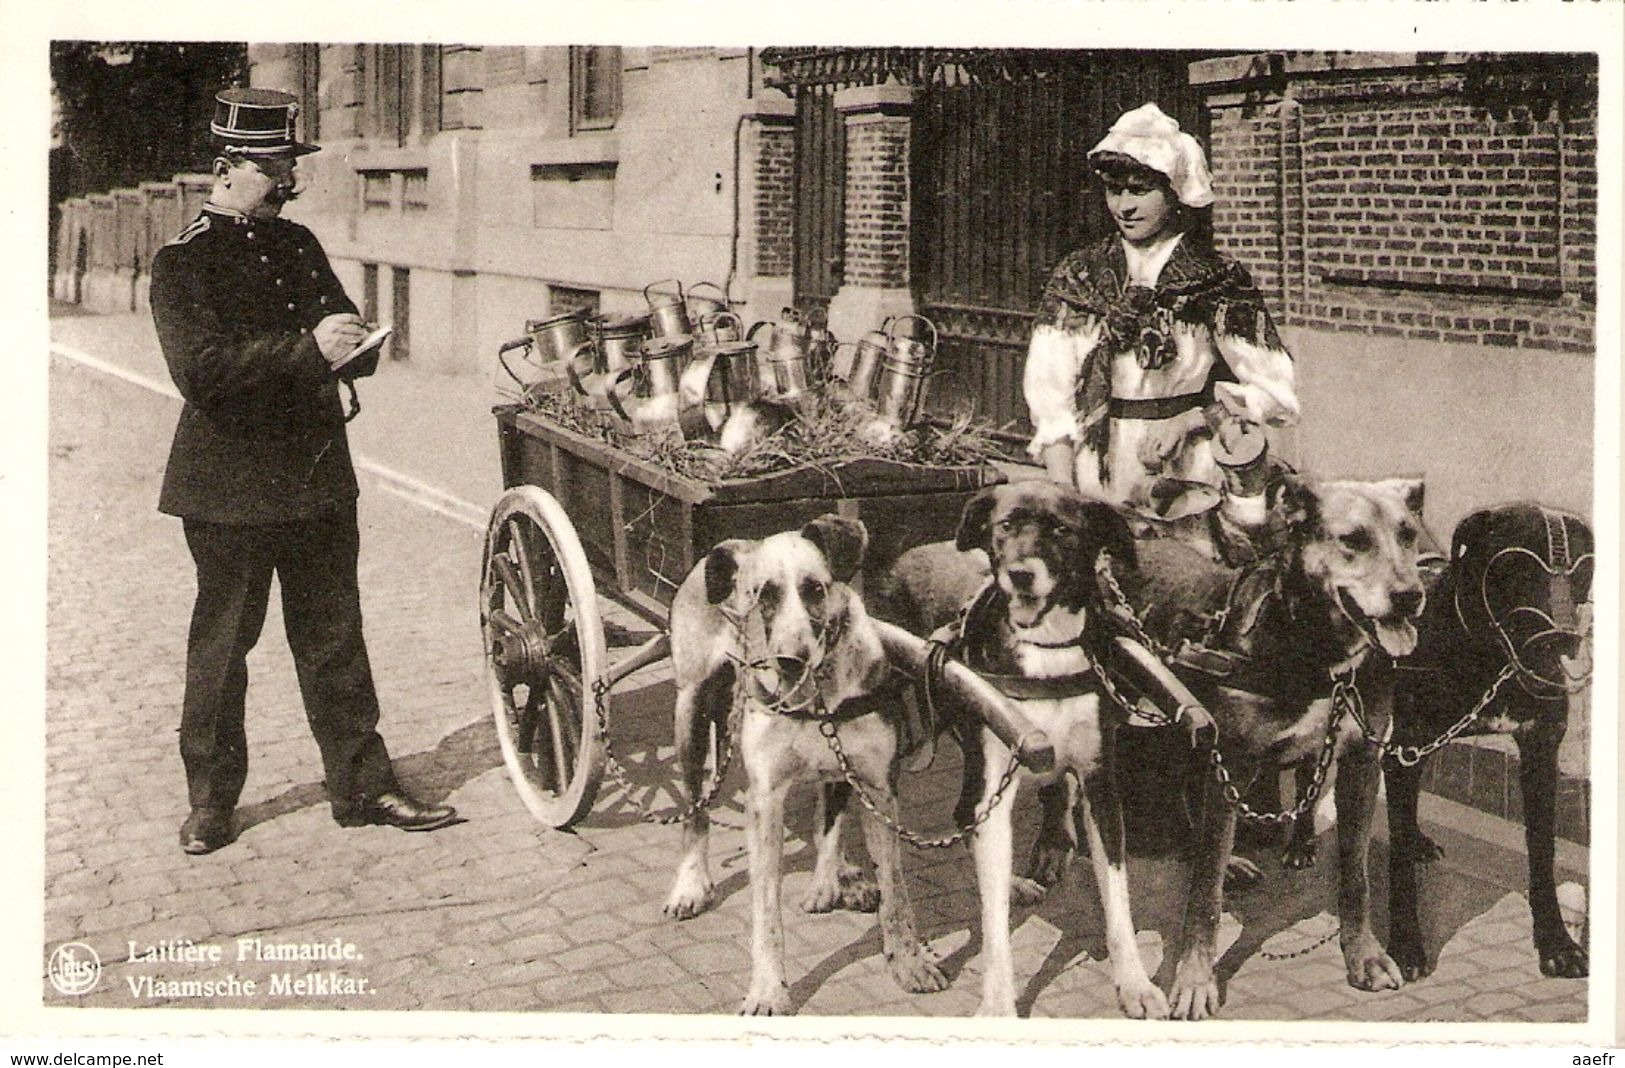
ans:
(1295, 501)
(1103, 529)
(1472, 533)
(1110, 531)
(973, 521)
(842, 541)
(1411, 491)
(722, 570)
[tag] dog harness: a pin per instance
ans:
(1225, 644)
(980, 620)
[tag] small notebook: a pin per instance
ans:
(370, 342)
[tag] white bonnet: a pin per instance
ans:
(1149, 136)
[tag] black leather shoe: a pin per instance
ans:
(396, 809)
(205, 830)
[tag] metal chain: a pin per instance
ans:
(1130, 616)
(1408, 756)
(1305, 950)
(617, 771)
(1323, 763)
(919, 841)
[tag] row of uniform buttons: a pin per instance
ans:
(300, 251)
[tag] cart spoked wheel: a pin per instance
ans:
(544, 654)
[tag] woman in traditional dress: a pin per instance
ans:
(1154, 366)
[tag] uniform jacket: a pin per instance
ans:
(1124, 358)
(261, 436)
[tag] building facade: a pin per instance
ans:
(1423, 227)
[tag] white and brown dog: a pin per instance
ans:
(777, 618)
(1036, 630)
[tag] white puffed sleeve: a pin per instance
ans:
(1049, 380)
(1267, 389)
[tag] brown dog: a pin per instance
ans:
(777, 619)
(1260, 647)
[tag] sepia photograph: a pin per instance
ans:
(1096, 530)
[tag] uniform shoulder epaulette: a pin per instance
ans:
(197, 226)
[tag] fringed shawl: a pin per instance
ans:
(1197, 287)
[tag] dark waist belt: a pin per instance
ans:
(1158, 407)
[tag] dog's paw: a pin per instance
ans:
(1411, 958)
(1048, 864)
(690, 896)
(1142, 1000)
(1424, 850)
(916, 973)
(1241, 874)
(1564, 959)
(854, 890)
(1025, 892)
(766, 999)
(997, 1006)
(1299, 856)
(1195, 995)
(1369, 968)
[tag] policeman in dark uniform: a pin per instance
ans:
(252, 322)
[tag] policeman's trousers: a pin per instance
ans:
(314, 561)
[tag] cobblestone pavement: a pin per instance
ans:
(499, 912)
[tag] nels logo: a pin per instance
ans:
(74, 968)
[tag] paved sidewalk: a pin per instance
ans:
(500, 912)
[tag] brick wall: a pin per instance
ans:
(1392, 200)
(877, 201)
(774, 202)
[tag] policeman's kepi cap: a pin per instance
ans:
(257, 123)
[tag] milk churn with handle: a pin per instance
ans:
(867, 355)
(903, 372)
(551, 343)
(668, 312)
(784, 356)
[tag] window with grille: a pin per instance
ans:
(415, 190)
(562, 299)
(310, 92)
(377, 190)
(401, 87)
(400, 342)
(595, 87)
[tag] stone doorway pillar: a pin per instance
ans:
(875, 277)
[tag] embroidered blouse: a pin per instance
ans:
(1130, 346)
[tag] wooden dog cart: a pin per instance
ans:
(641, 529)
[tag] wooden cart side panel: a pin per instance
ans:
(659, 541)
(895, 524)
(584, 490)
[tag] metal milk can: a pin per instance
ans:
(870, 353)
(554, 341)
(720, 328)
(784, 358)
(668, 312)
(660, 366)
(903, 373)
(616, 340)
(702, 306)
(716, 383)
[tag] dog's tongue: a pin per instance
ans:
(1396, 638)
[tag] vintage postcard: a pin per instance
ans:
(1070, 523)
